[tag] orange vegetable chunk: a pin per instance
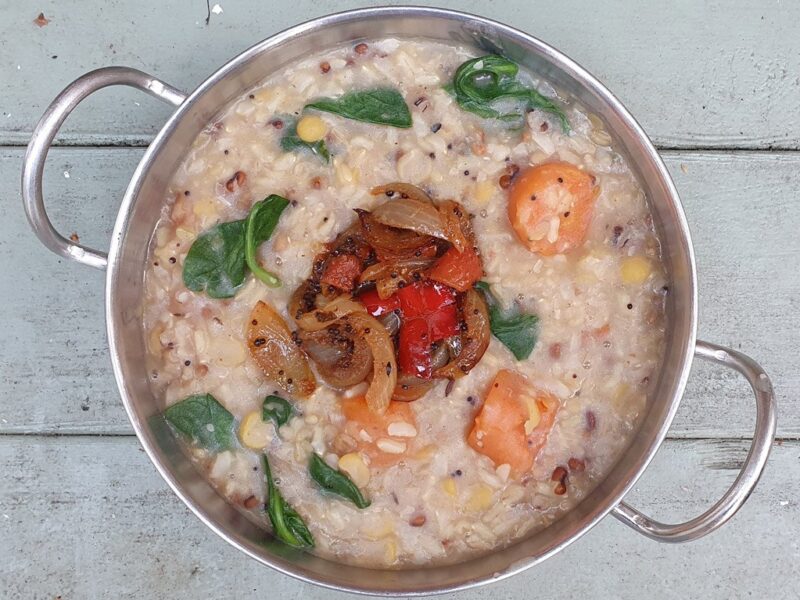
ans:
(371, 430)
(550, 207)
(459, 270)
(513, 423)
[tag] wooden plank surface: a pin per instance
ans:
(82, 516)
(711, 74)
(57, 377)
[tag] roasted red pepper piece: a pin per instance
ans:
(424, 298)
(429, 314)
(414, 353)
(443, 323)
(459, 270)
(377, 306)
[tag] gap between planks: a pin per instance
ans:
(144, 142)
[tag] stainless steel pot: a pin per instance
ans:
(141, 208)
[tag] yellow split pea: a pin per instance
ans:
(311, 128)
(635, 270)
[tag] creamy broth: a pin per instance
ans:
(600, 305)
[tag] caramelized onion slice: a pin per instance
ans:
(455, 219)
(440, 355)
(337, 308)
(403, 190)
(340, 352)
(304, 299)
(474, 340)
(384, 367)
(402, 267)
(271, 345)
(414, 215)
(389, 241)
(389, 274)
(410, 388)
(391, 321)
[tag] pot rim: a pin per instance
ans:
(565, 63)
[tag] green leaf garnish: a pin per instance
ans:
(517, 331)
(382, 106)
(277, 409)
(480, 84)
(287, 525)
(203, 420)
(291, 142)
(219, 258)
(215, 264)
(335, 482)
(259, 225)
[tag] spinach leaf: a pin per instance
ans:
(277, 409)
(204, 420)
(291, 142)
(218, 260)
(288, 526)
(517, 331)
(335, 481)
(259, 225)
(481, 84)
(382, 106)
(215, 264)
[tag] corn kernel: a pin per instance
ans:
(355, 467)
(484, 192)
(449, 486)
(481, 498)
(254, 432)
(635, 269)
(311, 128)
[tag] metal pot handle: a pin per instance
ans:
(732, 500)
(45, 132)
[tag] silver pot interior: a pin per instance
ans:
(143, 206)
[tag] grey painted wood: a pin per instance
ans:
(54, 369)
(56, 376)
(88, 517)
(712, 74)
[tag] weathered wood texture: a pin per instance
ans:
(82, 517)
(712, 74)
(57, 377)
